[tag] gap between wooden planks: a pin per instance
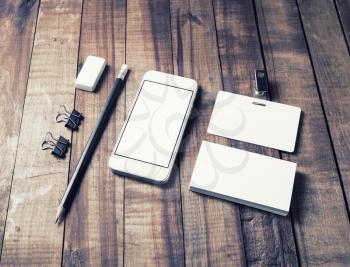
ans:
(95, 225)
(31, 238)
(318, 208)
(212, 255)
(153, 220)
(18, 22)
(331, 64)
(268, 239)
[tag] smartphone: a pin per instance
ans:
(150, 138)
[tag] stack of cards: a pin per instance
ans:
(248, 178)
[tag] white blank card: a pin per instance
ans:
(255, 121)
(247, 178)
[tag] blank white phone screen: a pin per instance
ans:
(155, 122)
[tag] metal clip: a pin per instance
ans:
(261, 85)
(72, 119)
(58, 146)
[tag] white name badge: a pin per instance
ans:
(255, 121)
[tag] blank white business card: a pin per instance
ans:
(247, 178)
(255, 121)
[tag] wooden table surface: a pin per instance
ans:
(303, 45)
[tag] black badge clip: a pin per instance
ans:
(58, 146)
(72, 119)
(261, 86)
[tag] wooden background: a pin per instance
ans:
(303, 45)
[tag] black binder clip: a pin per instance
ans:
(58, 146)
(261, 86)
(72, 119)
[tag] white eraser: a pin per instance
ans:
(90, 73)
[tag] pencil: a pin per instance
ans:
(90, 147)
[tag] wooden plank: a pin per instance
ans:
(343, 9)
(31, 237)
(318, 209)
(153, 222)
(18, 22)
(330, 58)
(94, 227)
(268, 239)
(212, 228)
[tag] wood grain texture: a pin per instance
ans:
(94, 227)
(304, 45)
(331, 63)
(318, 208)
(268, 239)
(212, 228)
(31, 237)
(18, 22)
(343, 9)
(153, 222)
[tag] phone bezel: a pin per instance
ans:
(145, 170)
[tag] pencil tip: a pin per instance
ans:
(59, 215)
